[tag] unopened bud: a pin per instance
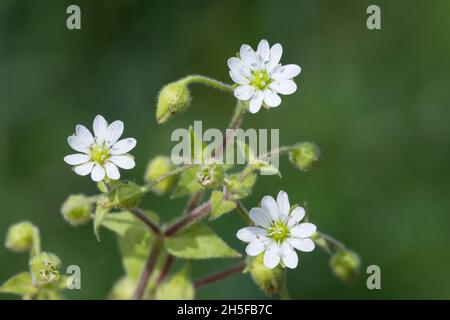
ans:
(305, 156)
(125, 195)
(345, 265)
(269, 280)
(20, 236)
(77, 209)
(45, 268)
(211, 176)
(158, 167)
(173, 99)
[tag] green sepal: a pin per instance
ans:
(220, 205)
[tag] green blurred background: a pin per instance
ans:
(377, 103)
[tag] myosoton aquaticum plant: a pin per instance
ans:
(276, 231)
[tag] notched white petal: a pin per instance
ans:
(271, 99)
(305, 245)
(98, 173)
(111, 171)
(84, 134)
(123, 146)
(289, 256)
(296, 216)
(272, 256)
(115, 130)
(124, 162)
(269, 205)
(285, 87)
(254, 248)
(249, 234)
(303, 230)
(283, 203)
(286, 72)
(244, 92)
(100, 127)
(256, 101)
(260, 217)
(76, 159)
(84, 169)
(77, 144)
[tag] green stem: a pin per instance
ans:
(174, 172)
(243, 212)
(327, 243)
(279, 151)
(209, 82)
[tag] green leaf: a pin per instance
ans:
(188, 183)
(177, 287)
(199, 242)
(266, 168)
(20, 284)
(100, 213)
(241, 188)
(220, 205)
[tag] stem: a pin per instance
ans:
(165, 269)
(193, 216)
(219, 275)
(148, 269)
(140, 214)
(174, 172)
(193, 202)
(243, 212)
(331, 245)
(209, 82)
(279, 151)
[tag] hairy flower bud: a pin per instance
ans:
(173, 99)
(45, 268)
(269, 280)
(211, 176)
(20, 236)
(345, 265)
(77, 209)
(125, 195)
(305, 156)
(158, 167)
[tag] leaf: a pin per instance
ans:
(177, 287)
(266, 168)
(20, 284)
(188, 183)
(199, 242)
(220, 205)
(241, 188)
(100, 214)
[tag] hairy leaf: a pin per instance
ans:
(20, 284)
(220, 205)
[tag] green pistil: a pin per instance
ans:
(99, 154)
(260, 79)
(278, 231)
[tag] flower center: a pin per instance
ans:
(260, 79)
(99, 154)
(278, 231)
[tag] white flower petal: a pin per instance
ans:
(77, 144)
(76, 159)
(238, 66)
(305, 245)
(272, 256)
(84, 169)
(123, 146)
(283, 203)
(283, 86)
(249, 234)
(124, 162)
(275, 55)
(286, 72)
(244, 92)
(289, 256)
(271, 99)
(248, 56)
(114, 132)
(100, 128)
(260, 217)
(303, 230)
(264, 50)
(254, 248)
(84, 134)
(98, 173)
(269, 205)
(239, 78)
(256, 101)
(296, 216)
(111, 171)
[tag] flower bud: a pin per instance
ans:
(20, 236)
(305, 156)
(345, 265)
(125, 195)
(173, 99)
(77, 209)
(211, 176)
(45, 268)
(158, 167)
(269, 280)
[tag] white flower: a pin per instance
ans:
(261, 77)
(100, 154)
(277, 232)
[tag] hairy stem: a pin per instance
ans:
(219, 275)
(209, 82)
(243, 212)
(328, 243)
(279, 151)
(148, 269)
(165, 269)
(174, 172)
(193, 202)
(139, 213)
(193, 216)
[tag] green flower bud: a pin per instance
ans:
(125, 195)
(305, 156)
(158, 167)
(211, 176)
(173, 99)
(123, 289)
(77, 209)
(20, 236)
(269, 280)
(345, 265)
(45, 268)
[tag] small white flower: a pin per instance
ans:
(278, 232)
(261, 77)
(102, 153)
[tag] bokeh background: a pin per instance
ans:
(377, 103)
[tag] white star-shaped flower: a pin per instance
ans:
(102, 153)
(261, 77)
(278, 232)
